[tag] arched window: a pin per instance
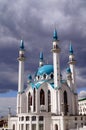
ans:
(51, 76)
(34, 91)
(13, 126)
(56, 127)
(65, 103)
(29, 101)
(42, 97)
(44, 76)
(49, 101)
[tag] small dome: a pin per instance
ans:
(68, 70)
(29, 77)
(46, 69)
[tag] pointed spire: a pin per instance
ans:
(55, 37)
(22, 45)
(41, 62)
(41, 55)
(71, 49)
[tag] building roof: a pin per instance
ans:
(82, 99)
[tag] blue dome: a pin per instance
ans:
(68, 70)
(46, 69)
(29, 77)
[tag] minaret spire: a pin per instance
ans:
(22, 45)
(71, 49)
(55, 37)
(41, 60)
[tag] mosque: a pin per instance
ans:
(49, 102)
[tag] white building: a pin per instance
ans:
(49, 102)
(82, 106)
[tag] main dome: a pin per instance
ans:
(45, 69)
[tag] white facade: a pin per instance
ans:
(82, 106)
(49, 102)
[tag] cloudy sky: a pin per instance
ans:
(34, 22)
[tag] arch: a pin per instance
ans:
(34, 93)
(29, 101)
(49, 101)
(42, 97)
(56, 127)
(51, 75)
(65, 103)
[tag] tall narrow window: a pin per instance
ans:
(65, 97)
(42, 97)
(27, 126)
(41, 127)
(34, 99)
(49, 101)
(29, 101)
(13, 126)
(33, 126)
(65, 103)
(56, 127)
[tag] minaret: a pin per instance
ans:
(41, 61)
(72, 63)
(21, 60)
(56, 106)
(56, 62)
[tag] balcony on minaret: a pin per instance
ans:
(56, 48)
(21, 56)
(71, 59)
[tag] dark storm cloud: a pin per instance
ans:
(34, 22)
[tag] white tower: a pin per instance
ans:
(21, 60)
(56, 50)
(56, 63)
(72, 62)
